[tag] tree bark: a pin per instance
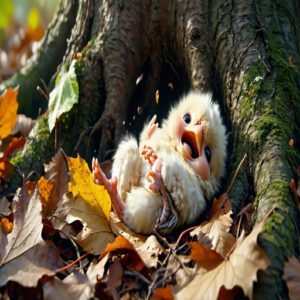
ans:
(245, 52)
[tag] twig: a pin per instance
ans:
(71, 264)
(236, 173)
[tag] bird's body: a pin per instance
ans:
(183, 161)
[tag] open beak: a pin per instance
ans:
(192, 141)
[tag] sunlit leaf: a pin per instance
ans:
(33, 18)
(8, 111)
(64, 95)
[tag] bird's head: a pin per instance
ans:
(196, 130)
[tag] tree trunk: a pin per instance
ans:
(245, 52)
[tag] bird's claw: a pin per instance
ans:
(169, 216)
(110, 185)
(149, 155)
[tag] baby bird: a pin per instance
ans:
(164, 181)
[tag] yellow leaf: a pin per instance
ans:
(81, 183)
(8, 111)
(33, 18)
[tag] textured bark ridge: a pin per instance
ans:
(245, 52)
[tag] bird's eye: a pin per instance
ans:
(207, 152)
(187, 118)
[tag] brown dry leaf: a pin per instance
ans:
(96, 232)
(75, 286)
(8, 111)
(82, 183)
(217, 230)
(122, 245)
(4, 207)
(114, 279)
(24, 256)
(246, 258)
(165, 293)
(149, 251)
(292, 277)
(205, 257)
(57, 174)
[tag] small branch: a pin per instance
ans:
(236, 173)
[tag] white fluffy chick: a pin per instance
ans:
(176, 166)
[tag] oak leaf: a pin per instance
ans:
(96, 232)
(292, 277)
(8, 111)
(24, 256)
(82, 183)
(246, 258)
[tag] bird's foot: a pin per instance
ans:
(169, 216)
(149, 155)
(111, 186)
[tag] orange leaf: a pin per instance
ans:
(122, 245)
(205, 257)
(45, 189)
(165, 293)
(6, 226)
(8, 111)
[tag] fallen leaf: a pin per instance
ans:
(96, 232)
(24, 256)
(165, 293)
(246, 258)
(205, 257)
(122, 245)
(8, 111)
(149, 251)
(4, 207)
(74, 286)
(57, 174)
(217, 230)
(65, 94)
(82, 183)
(45, 188)
(6, 167)
(6, 226)
(113, 279)
(292, 277)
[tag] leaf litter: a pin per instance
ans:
(60, 235)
